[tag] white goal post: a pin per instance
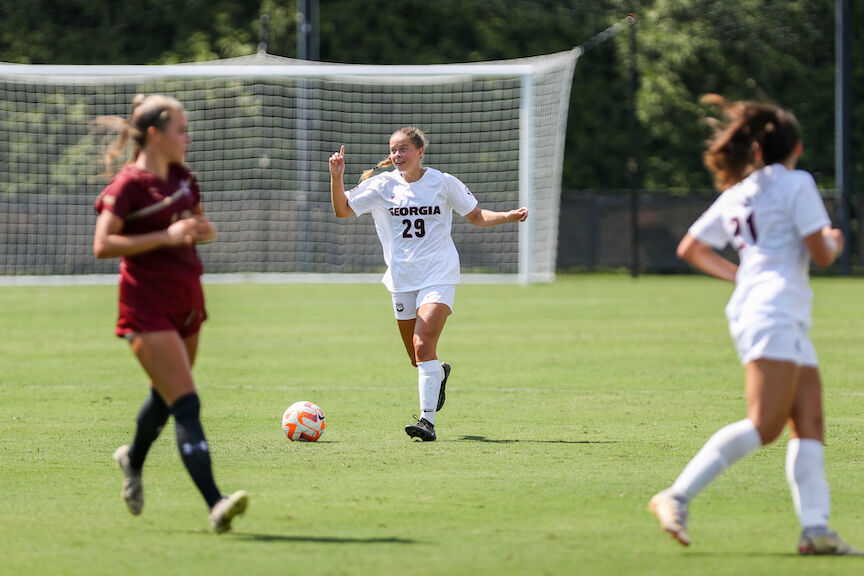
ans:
(262, 128)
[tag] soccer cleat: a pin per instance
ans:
(133, 488)
(441, 396)
(827, 544)
(226, 509)
(672, 514)
(423, 429)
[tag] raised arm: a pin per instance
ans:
(704, 257)
(480, 217)
(341, 208)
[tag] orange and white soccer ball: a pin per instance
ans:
(303, 422)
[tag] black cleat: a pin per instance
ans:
(423, 429)
(441, 396)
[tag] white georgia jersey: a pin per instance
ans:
(765, 217)
(413, 221)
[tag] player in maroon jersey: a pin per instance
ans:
(150, 216)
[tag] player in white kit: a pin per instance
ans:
(412, 208)
(774, 217)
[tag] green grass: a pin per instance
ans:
(569, 406)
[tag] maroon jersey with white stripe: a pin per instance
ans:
(146, 203)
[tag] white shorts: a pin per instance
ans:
(787, 343)
(405, 304)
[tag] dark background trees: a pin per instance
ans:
(779, 50)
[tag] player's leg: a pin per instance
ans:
(405, 312)
(805, 463)
(434, 305)
(431, 318)
(229, 506)
(406, 332)
(153, 415)
(771, 389)
(805, 469)
(165, 357)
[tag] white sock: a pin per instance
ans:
(805, 471)
(728, 445)
(429, 376)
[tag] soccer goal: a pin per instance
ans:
(262, 128)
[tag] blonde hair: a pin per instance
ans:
(154, 110)
(415, 135)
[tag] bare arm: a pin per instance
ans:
(341, 208)
(704, 257)
(110, 242)
(480, 217)
(825, 246)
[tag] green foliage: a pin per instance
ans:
(779, 50)
(750, 49)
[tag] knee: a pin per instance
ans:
(811, 427)
(768, 431)
(423, 348)
(187, 408)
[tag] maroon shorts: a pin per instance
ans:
(185, 322)
(176, 305)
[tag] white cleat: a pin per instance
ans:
(133, 488)
(226, 509)
(672, 514)
(827, 544)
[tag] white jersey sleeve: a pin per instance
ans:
(808, 211)
(709, 227)
(365, 196)
(459, 196)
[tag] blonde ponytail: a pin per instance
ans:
(154, 110)
(386, 162)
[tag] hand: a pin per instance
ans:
(337, 163)
(190, 230)
(205, 230)
(519, 215)
(834, 238)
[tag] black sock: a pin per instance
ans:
(193, 446)
(151, 419)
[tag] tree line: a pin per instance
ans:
(776, 50)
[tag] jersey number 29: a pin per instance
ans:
(419, 226)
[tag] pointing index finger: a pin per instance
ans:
(342, 150)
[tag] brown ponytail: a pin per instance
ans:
(147, 111)
(748, 127)
(418, 139)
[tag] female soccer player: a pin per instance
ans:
(774, 217)
(412, 210)
(150, 216)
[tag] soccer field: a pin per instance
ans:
(569, 405)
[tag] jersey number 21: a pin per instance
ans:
(743, 230)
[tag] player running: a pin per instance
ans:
(412, 206)
(150, 216)
(774, 217)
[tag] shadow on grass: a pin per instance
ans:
(702, 555)
(317, 539)
(529, 441)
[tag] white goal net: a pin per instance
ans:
(262, 128)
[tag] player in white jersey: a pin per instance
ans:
(774, 217)
(412, 207)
